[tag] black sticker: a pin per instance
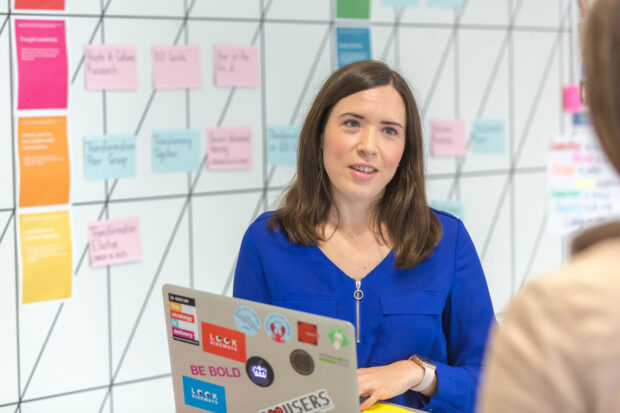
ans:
(302, 362)
(259, 371)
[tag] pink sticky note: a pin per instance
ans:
(41, 51)
(448, 137)
(110, 67)
(229, 148)
(114, 241)
(236, 65)
(176, 67)
(572, 98)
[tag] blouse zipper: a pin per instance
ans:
(358, 294)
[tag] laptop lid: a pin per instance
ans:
(234, 355)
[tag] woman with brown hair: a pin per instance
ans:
(355, 239)
(558, 349)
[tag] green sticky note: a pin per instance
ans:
(353, 9)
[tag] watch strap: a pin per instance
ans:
(427, 379)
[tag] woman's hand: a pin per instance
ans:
(385, 382)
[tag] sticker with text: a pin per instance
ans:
(307, 333)
(317, 401)
(335, 360)
(223, 342)
(203, 395)
(338, 337)
(278, 328)
(215, 371)
(183, 319)
(247, 320)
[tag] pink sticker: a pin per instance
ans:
(114, 241)
(448, 137)
(176, 67)
(229, 148)
(42, 64)
(572, 98)
(236, 65)
(179, 332)
(110, 67)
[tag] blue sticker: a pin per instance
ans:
(247, 320)
(203, 395)
(174, 322)
(278, 328)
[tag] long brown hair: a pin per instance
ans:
(403, 210)
(602, 63)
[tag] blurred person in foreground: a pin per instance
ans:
(558, 349)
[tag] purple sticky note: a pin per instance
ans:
(176, 67)
(43, 76)
(448, 137)
(229, 148)
(114, 241)
(572, 98)
(236, 65)
(110, 67)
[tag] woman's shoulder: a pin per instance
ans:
(450, 224)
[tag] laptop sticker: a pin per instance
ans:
(247, 320)
(259, 371)
(317, 401)
(183, 319)
(203, 395)
(307, 333)
(278, 328)
(223, 342)
(335, 360)
(215, 371)
(302, 362)
(337, 337)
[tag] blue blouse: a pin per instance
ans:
(440, 309)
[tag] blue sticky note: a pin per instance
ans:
(445, 3)
(455, 208)
(176, 150)
(109, 157)
(401, 3)
(489, 136)
(352, 45)
(204, 395)
(282, 145)
(581, 119)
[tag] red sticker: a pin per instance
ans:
(223, 342)
(307, 333)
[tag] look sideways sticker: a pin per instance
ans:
(223, 342)
(317, 401)
(183, 319)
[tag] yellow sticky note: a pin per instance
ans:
(389, 408)
(45, 256)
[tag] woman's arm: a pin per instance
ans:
(250, 282)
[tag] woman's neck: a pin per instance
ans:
(353, 218)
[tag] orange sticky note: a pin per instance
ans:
(44, 175)
(45, 240)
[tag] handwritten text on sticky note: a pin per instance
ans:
(114, 241)
(282, 145)
(236, 65)
(109, 157)
(110, 67)
(176, 150)
(176, 67)
(489, 136)
(448, 137)
(229, 148)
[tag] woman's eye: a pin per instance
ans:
(390, 131)
(351, 123)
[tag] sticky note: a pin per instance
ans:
(176, 150)
(44, 172)
(489, 136)
(45, 244)
(109, 157)
(455, 208)
(236, 65)
(401, 3)
(572, 98)
(114, 241)
(352, 45)
(40, 4)
(282, 145)
(41, 52)
(176, 67)
(110, 67)
(353, 9)
(580, 119)
(229, 148)
(448, 137)
(444, 3)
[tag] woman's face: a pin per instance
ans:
(363, 142)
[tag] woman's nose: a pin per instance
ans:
(367, 141)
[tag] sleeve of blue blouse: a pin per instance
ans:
(467, 317)
(250, 282)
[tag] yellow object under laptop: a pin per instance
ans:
(389, 408)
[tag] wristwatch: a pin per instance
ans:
(429, 372)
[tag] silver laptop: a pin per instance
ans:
(238, 356)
